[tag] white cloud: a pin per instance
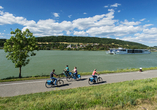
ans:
(147, 36)
(115, 5)
(1, 13)
(84, 23)
(49, 27)
(106, 31)
(1, 7)
(118, 11)
(143, 19)
(150, 31)
(84, 13)
(103, 25)
(147, 25)
(106, 6)
(56, 14)
(68, 32)
(126, 22)
(80, 33)
(2, 35)
(7, 18)
(69, 16)
(112, 10)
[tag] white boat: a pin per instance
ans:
(128, 51)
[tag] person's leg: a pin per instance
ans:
(75, 75)
(95, 77)
(67, 73)
(52, 79)
(55, 81)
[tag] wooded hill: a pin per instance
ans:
(106, 41)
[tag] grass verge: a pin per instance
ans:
(8, 79)
(122, 95)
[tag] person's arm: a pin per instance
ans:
(97, 73)
(55, 75)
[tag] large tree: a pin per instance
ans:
(19, 47)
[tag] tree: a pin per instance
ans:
(20, 47)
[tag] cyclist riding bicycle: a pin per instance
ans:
(53, 78)
(93, 74)
(75, 72)
(66, 70)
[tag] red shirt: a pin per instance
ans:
(93, 72)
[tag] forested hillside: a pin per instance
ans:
(79, 43)
(87, 40)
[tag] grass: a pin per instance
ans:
(116, 96)
(8, 79)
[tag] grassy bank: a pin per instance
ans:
(82, 73)
(122, 95)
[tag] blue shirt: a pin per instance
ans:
(67, 68)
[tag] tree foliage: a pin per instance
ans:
(19, 47)
(2, 41)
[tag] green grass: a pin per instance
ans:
(82, 73)
(8, 79)
(108, 96)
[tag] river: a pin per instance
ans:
(85, 61)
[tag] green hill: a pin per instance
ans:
(77, 39)
(104, 43)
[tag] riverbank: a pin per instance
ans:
(9, 79)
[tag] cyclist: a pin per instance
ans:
(53, 78)
(75, 72)
(67, 70)
(93, 74)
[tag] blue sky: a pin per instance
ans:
(130, 20)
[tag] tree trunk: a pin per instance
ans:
(20, 72)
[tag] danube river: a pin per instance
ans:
(85, 61)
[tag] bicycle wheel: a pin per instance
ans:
(99, 79)
(75, 78)
(68, 78)
(48, 85)
(60, 82)
(90, 81)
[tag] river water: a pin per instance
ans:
(85, 61)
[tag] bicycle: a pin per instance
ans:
(70, 76)
(49, 83)
(91, 80)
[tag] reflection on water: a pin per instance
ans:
(85, 61)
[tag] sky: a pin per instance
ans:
(129, 20)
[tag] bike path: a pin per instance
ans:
(35, 86)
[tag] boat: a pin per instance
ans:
(128, 51)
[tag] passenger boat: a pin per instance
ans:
(128, 51)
